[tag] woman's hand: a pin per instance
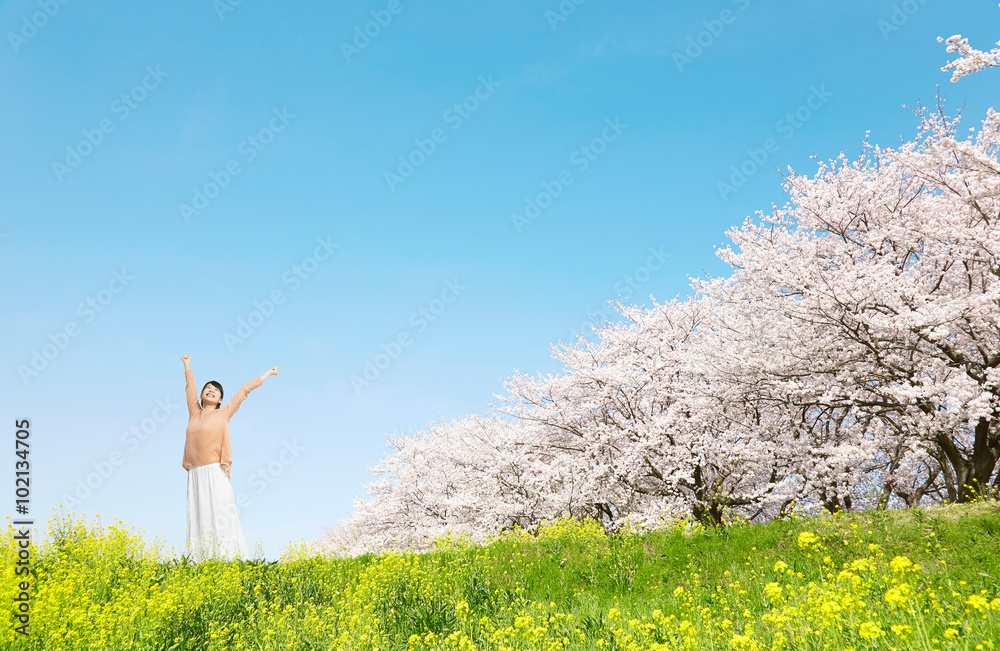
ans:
(187, 359)
(271, 371)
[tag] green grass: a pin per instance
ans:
(571, 587)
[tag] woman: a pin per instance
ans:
(212, 526)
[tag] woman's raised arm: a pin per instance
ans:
(234, 403)
(190, 390)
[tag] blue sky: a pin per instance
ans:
(115, 114)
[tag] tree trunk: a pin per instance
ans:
(968, 477)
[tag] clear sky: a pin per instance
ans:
(484, 177)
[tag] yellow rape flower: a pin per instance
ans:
(896, 595)
(807, 539)
(870, 631)
(902, 631)
(773, 591)
(978, 602)
(900, 564)
(742, 642)
(862, 564)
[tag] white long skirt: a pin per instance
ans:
(213, 527)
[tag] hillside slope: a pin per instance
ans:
(915, 579)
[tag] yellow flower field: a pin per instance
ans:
(903, 580)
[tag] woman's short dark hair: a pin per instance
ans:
(217, 386)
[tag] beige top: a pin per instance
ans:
(207, 436)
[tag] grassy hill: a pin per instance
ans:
(915, 579)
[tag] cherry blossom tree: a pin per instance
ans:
(472, 476)
(886, 269)
(970, 60)
(641, 407)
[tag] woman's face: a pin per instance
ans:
(210, 395)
